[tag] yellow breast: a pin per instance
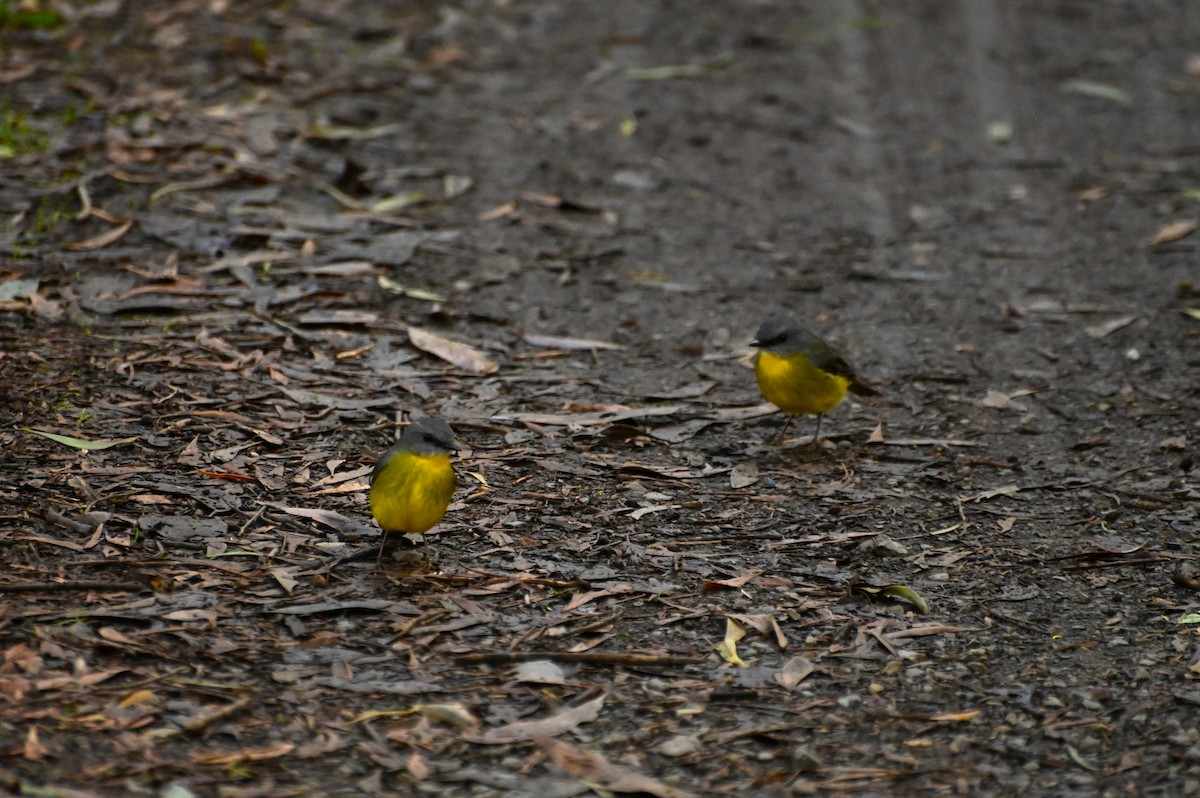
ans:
(797, 387)
(412, 492)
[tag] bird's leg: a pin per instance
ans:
(783, 431)
(382, 546)
(817, 434)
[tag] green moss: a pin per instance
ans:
(14, 17)
(17, 134)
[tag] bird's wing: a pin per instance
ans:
(383, 461)
(821, 355)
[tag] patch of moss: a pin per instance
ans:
(17, 135)
(14, 17)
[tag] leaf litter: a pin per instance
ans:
(233, 338)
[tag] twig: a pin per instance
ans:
(1183, 577)
(70, 523)
(585, 657)
(1115, 563)
(532, 580)
(33, 587)
(420, 620)
(1000, 616)
(200, 721)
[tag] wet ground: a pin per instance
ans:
(241, 239)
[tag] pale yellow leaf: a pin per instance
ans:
(1173, 231)
(728, 647)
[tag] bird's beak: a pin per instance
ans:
(756, 343)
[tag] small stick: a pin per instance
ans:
(33, 587)
(585, 657)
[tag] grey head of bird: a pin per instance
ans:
(429, 435)
(783, 335)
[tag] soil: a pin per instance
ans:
(241, 240)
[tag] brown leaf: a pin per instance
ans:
(462, 356)
(560, 722)
(1107, 328)
(498, 212)
(329, 518)
(416, 767)
(592, 768)
(692, 390)
(273, 751)
(765, 624)
(1173, 231)
(570, 344)
(34, 750)
(103, 239)
(333, 401)
(794, 671)
(735, 582)
(338, 316)
(743, 475)
(597, 418)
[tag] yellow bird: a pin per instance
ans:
(413, 482)
(799, 373)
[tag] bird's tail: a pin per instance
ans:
(859, 389)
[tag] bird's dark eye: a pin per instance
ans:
(428, 438)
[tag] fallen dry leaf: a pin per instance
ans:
(462, 356)
(998, 400)
(1105, 329)
(1173, 231)
(956, 717)
(765, 624)
(592, 419)
(728, 647)
(416, 767)
(34, 750)
(743, 475)
(560, 722)
(592, 768)
(794, 671)
(540, 671)
(273, 751)
(734, 582)
(569, 344)
(103, 239)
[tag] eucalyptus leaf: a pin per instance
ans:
(79, 443)
(908, 594)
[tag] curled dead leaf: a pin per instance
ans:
(728, 647)
(103, 239)
(908, 594)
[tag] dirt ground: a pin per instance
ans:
(240, 242)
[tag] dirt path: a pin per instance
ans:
(238, 241)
